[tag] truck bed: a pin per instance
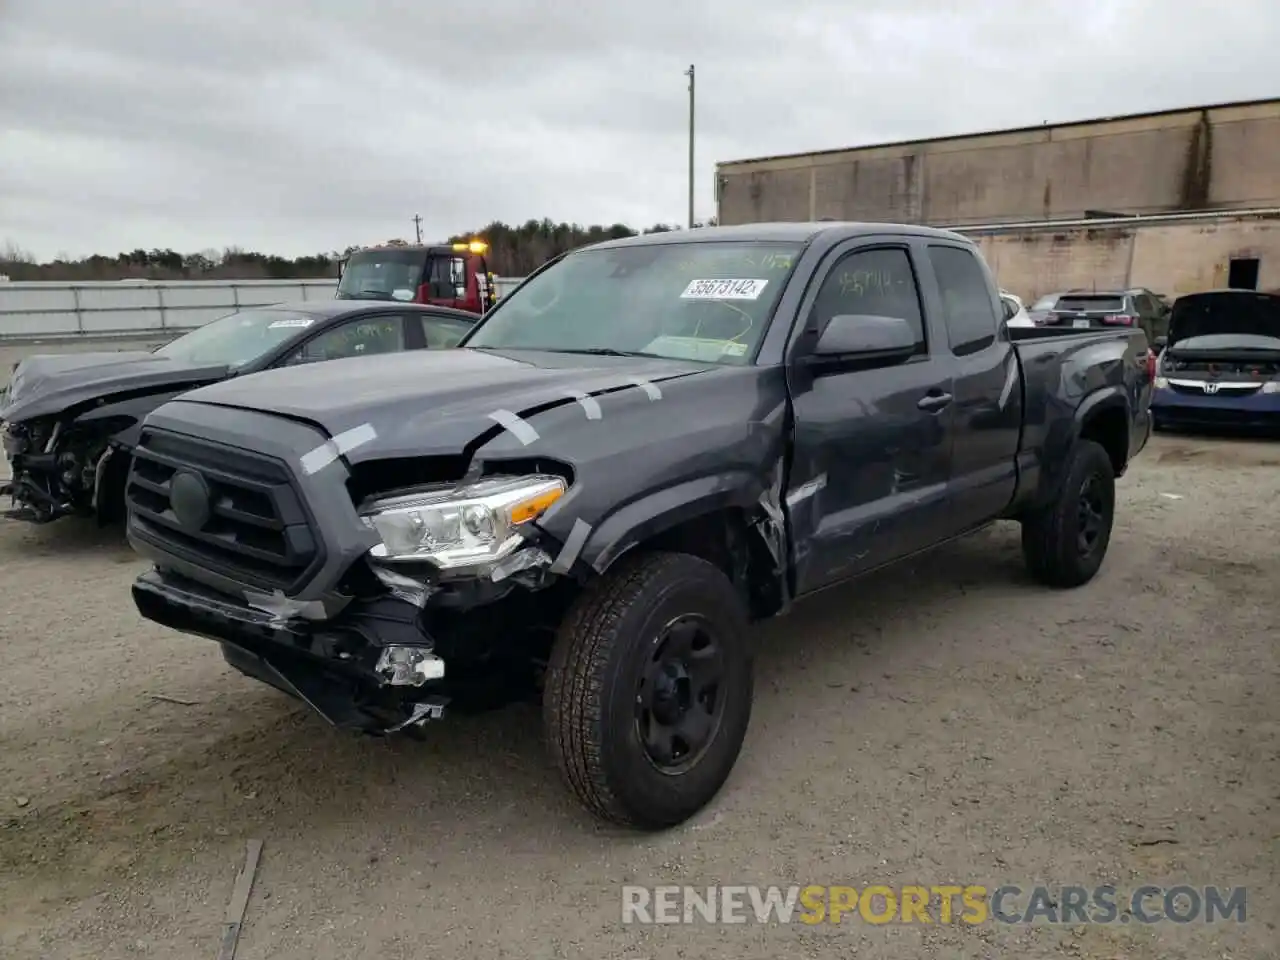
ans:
(1060, 369)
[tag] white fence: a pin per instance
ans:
(129, 309)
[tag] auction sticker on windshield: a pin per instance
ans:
(291, 322)
(724, 290)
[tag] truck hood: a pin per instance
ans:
(1244, 312)
(429, 402)
(51, 383)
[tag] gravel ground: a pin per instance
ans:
(945, 722)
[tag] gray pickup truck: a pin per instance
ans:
(647, 446)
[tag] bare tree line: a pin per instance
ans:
(513, 251)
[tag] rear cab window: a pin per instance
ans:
(968, 301)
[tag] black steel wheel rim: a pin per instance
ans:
(1092, 516)
(680, 694)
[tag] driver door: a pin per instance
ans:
(872, 440)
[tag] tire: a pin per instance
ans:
(597, 711)
(1052, 543)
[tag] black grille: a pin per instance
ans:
(257, 532)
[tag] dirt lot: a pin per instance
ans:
(947, 722)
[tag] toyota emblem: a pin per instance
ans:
(1211, 387)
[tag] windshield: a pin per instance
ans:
(382, 275)
(1229, 341)
(690, 301)
(237, 339)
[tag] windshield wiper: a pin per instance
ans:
(363, 295)
(605, 352)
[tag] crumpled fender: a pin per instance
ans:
(660, 511)
(646, 460)
(134, 409)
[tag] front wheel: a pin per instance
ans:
(648, 692)
(1065, 542)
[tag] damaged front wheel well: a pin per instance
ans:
(727, 539)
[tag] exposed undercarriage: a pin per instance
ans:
(57, 472)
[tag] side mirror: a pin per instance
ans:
(1010, 310)
(1160, 342)
(866, 336)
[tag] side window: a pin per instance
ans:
(440, 333)
(450, 272)
(355, 338)
(876, 282)
(967, 304)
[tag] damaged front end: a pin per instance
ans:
(451, 604)
(56, 468)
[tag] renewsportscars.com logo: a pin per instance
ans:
(942, 903)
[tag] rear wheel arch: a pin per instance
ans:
(1107, 423)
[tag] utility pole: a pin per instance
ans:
(417, 227)
(689, 73)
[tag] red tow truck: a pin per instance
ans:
(449, 275)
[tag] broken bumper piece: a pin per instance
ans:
(369, 669)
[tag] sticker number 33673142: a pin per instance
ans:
(723, 290)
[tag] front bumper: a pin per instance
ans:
(329, 664)
(1254, 411)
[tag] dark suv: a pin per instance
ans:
(1092, 309)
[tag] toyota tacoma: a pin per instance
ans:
(647, 446)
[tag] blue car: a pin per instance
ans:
(1219, 366)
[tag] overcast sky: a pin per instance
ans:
(294, 127)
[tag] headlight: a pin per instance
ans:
(1162, 383)
(464, 526)
(1271, 386)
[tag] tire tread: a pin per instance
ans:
(1047, 545)
(578, 673)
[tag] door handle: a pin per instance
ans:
(933, 402)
